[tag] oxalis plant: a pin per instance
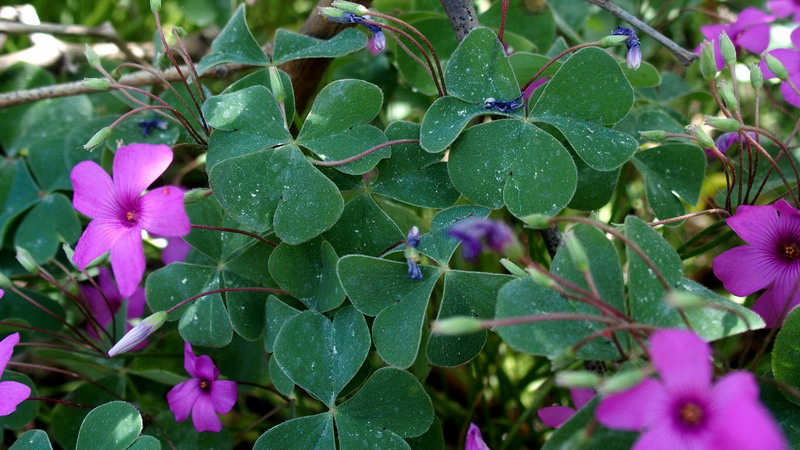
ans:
(409, 225)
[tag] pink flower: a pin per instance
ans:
(100, 309)
(785, 8)
(555, 416)
(684, 409)
(474, 439)
(203, 395)
(750, 32)
(790, 58)
(120, 212)
(175, 251)
(12, 393)
(771, 260)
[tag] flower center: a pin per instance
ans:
(691, 414)
(791, 251)
(205, 385)
(132, 216)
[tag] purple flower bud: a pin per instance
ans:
(474, 232)
(414, 272)
(412, 238)
(376, 42)
(139, 333)
(148, 126)
(634, 57)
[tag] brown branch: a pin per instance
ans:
(462, 16)
(140, 78)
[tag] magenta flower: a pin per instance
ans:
(12, 393)
(203, 395)
(683, 409)
(120, 212)
(750, 32)
(474, 439)
(555, 416)
(771, 260)
(785, 8)
(790, 58)
(100, 309)
(474, 232)
(175, 251)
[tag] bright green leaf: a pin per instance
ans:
(234, 44)
(479, 69)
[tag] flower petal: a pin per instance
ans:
(754, 224)
(175, 251)
(99, 237)
(555, 416)
(781, 8)
(775, 304)
(93, 191)
(745, 269)
(7, 349)
(204, 417)
(632, 409)
(163, 212)
(795, 36)
(136, 166)
(682, 359)
(205, 369)
(581, 396)
(789, 93)
(182, 398)
(223, 395)
(474, 439)
(738, 419)
(754, 39)
(127, 261)
(97, 307)
(136, 303)
(12, 394)
(189, 360)
(664, 436)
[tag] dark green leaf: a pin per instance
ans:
(413, 175)
(235, 44)
(18, 192)
(335, 128)
(601, 437)
(471, 294)
(277, 314)
(46, 161)
(290, 46)
(322, 356)
(644, 76)
(27, 410)
(528, 171)
(479, 69)
(277, 188)
(245, 121)
(446, 118)
(261, 78)
(444, 43)
(672, 172)
(363, 229)
(145, 443)
(308, 272)
(595, 187)
(51, 222)
(120, 417)
(313, 432)
(437, 244)
(786, 354)
(32, 440)
(282, 383)
(532, 20)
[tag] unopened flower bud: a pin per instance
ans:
(139, 333)
(756, 76)
(537, 221)
(708, 65)
(331, 12)
(654, 135)
(701, 136)
(724, 124)
(354, 8)
(513, 268)
(195, 195)
(26, 260)
(91, 56)
(727, 49)
(612, 40)
(562, 359)
(155, 5)
(576, 252)
(776, 67)
(276, 84)
(98, 84)
(684, 300)
(98, 138)
(179, 31)
(726, 92)
(454, 326)
(541, 279)
(621, 381)
(412, 238)
(577, 379)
